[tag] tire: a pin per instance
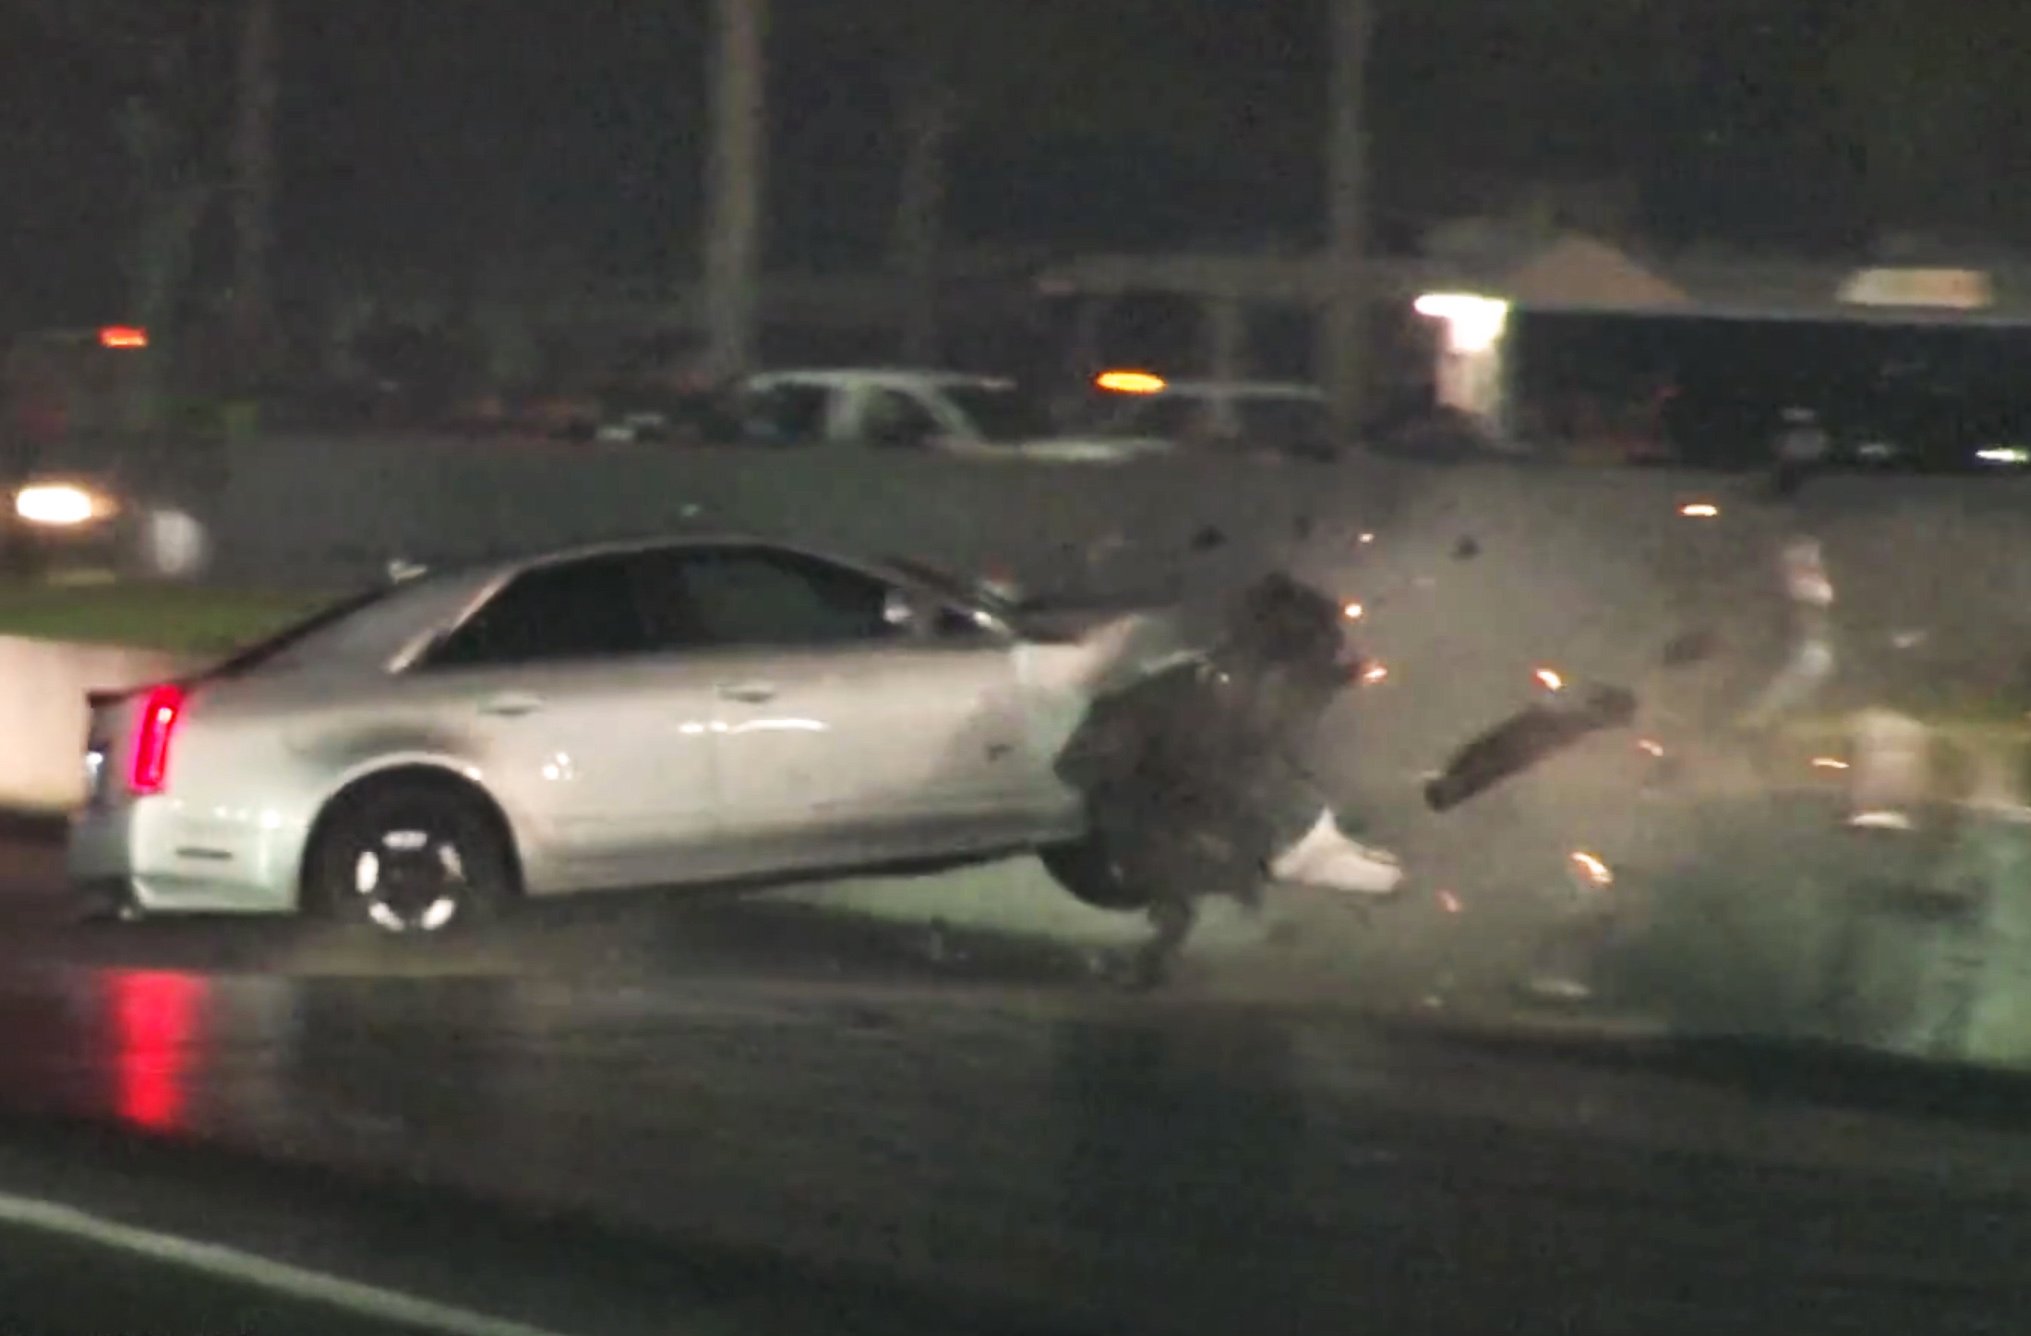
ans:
(1084, 869)
(410, 857)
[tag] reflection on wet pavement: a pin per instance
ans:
(1167, 1162)
(990, 1118)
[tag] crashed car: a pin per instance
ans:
(432, 751)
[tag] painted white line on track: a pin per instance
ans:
(253, 1271)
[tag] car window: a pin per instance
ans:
(580, 609)
(759, 596)
(896, 418)
(786, 414)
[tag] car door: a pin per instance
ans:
(850, 713)
(601, 745)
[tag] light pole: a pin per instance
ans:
(735, 184)
(1344, 335)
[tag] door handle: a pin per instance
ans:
(511, 707)
(748, 693)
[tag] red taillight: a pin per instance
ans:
(160, 710)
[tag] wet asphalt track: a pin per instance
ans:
(623, 1118)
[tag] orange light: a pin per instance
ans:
(1550, 680)
(123, 336)
(1130, 382)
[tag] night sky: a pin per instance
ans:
(443, 135)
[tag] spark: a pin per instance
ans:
(1374, 672)
(1353, 612)
(1700, 510)
(1828, 763)
(1550, 680)
(1595, 869)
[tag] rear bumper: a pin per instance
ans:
(157, 857)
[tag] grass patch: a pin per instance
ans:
(181, 619)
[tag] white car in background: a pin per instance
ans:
(648, 714)
(949, 412)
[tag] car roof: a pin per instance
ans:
(393, 619)
(511, 566)
(886, 376)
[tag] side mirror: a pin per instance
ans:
(900, 611)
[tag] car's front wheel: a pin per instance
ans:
(410, 857)
(1092, 875)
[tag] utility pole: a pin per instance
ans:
(930, 120)
(1344, 330)
(254, 188)
(735, 185)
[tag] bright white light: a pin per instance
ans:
(1652, 748)
(1828, 763)
(1473, 324)
(1353, 612)
(1549, 680)
(2004, 454)
(1374, 673)
(1700, 510)
(58, 504)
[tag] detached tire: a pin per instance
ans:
(1085, 870)
(410, 857)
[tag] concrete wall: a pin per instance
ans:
(1590, 570)
(316, 510)
(43, 717)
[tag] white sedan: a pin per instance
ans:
(648, 714)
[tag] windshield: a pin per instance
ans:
(1002, 413)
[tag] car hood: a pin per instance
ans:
(1091, 648)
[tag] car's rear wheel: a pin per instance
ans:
(1092, 875)
(410, 857)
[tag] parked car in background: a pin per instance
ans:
(949, 412)
(431, 751)
(1273, 418)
